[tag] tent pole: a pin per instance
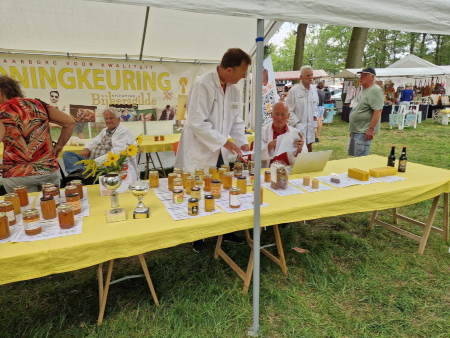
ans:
(254, 330)
(143, 34)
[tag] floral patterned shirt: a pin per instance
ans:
(27, 140)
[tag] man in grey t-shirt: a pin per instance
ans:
(365, 115)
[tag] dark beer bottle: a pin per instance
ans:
(391, 158)
(402, 161)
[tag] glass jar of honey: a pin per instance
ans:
(227, 180)
(252, 177)
(235, 197)
(73, 199)
(154, 179)
(209, 203)
(170, 178)
(177, 196)
(237, 169)
(32, 222)
(216, 189)
(65, 216)
(22, 192)
(196, 193)
(156, 137)
(14, 198)
(220, 172)
(48, 207)
(79, 185)
(178, 183)
(177, 171)
(251, 166)
(161, 137)
(267, 176)
(54, 192)
(5, 232)
(260, 195)
(199, 176)
(193, 207)
(242, 184)
(227, 167)
(207, 178)
(190, 183)
(8, 208)
(213, 172)
(183, 177)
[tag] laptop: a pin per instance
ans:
(310, 162)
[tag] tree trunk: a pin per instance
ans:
(422, 45)
(356, 48)
(412, 42)
(299, 47)
(437, 51)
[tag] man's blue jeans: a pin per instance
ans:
(70, 158)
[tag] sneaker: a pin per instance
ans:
(232, 238)
(285, 225)
(317, 140)
(198, 246)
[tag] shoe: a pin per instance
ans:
(285, 225)
(317, 140)
(232, 238)
(198, 246)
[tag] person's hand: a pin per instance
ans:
(57, 149)
(86, 153)
(298, 143)
(232, 148)
(245, 147)
(369, 134)
(315, 118)
(4, 167)
(271, 145)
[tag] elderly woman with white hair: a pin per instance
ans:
(115, 138)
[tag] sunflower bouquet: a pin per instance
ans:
(113, 163)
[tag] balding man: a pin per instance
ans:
(303, 101)
(270, 132)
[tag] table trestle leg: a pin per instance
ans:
(149, 280)
(446, 217)
(105, 293)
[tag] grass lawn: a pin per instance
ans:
(353, 283)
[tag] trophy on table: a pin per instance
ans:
(112, 182)
(140, 189)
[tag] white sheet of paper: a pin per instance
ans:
(345, 181)
(289, 191)
(391, 179)
(182, 213)
(245, 153)
(49, 230)
(370, 181)
(30, 203)
(13, 229)
(299, 183)
(286, 144)
(246, 204)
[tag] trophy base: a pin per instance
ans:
(114, 216)
(141, 213)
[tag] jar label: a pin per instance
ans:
(402, 166)
(32, 225)
(177, 187)
(235, 200)
(178, 198)
(11, 216)
(199, 179)
(215, 190)
(193, 210)
(57, 199)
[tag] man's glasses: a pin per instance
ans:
(280, 115)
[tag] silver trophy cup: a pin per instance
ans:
(112, 182)
(140, 189)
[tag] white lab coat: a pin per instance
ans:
(266, 137)
(303, 108)
(121, 139)
(211, 117)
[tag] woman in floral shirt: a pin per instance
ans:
(29, 158)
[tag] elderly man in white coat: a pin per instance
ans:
(303, 101)
(270, 132)
(214, 113)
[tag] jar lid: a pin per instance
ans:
(20, 187)
(71, 187)
(30, 212)
(228, 173)
(176, 169)
(207, 176)
(223, 169)
(11, 195)
(154, 172)
(172, 174)
(242, 178)
(199, 169)
(52, 188)
(193, 200)
(47, 198)
(235, 189)
(76, 182)
(195, 189)
(215, 181)
(2, 214)
(47, 185)
(177, 191)
(178, 179)
(209, 197)
(5, 203)
(251, 174)
(64, 207)
(190, 177)
(186, 173)
(71, 193)
(267, 172)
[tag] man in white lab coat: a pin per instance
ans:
(303, 101)
(214, 112)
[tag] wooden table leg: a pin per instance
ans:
(428, 224)
(160, 164)
(105, 292)
(394, 215)
(100, 283)
(149, 280)
(446, 217)
(249, 274)
(276, 230)
(373, 219)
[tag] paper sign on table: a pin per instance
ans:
(13, 229)
(345, 182)
(370, 181)
(289, 191)
(49, 230)
(182, 213)
(299, 183)
(246, 204)
(391, 179)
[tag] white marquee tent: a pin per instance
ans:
(184, 30)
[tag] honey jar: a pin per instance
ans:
(196, 193)
(235, 197)
(227, 167)
(65, 216)
(242, 184)
(22, 192)
(209, 203)
(49, 185)
(73, 199)
(177, 196)
(12, 197)
(170, 179)
(213, 172)
(161, 137)
(32, 222)
(48, 207)
(177, 171)
(261, 194)
(5, 232)
(237, 169)
(227, 180)
(54, 191)
(267, 176)
(207, 178)
(199, 176)
(220, 172)
(190, 183)
(251, 166)
(252, 177)
(183, 177)
(178, 183)
(193, 207)
(79, 185)
(8, 208)
(306, 180)
(156, 137)
(154, 179)
(216, 189)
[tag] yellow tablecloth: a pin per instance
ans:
(100, 241)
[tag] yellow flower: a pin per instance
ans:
(132, 150)
(112, 158)
(107, 163)
(139, 139)
(123, 153)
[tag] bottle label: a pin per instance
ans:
(402, 166)
(177, 198)
(177, 187)
(11, 216)
(235, 200)
(194, 210)
(215, 190)
(32, 225)
(198, 179)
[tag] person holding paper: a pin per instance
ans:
(274, 132)
(303, 101)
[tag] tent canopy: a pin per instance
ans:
(396, 72)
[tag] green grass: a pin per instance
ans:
(353, 283)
